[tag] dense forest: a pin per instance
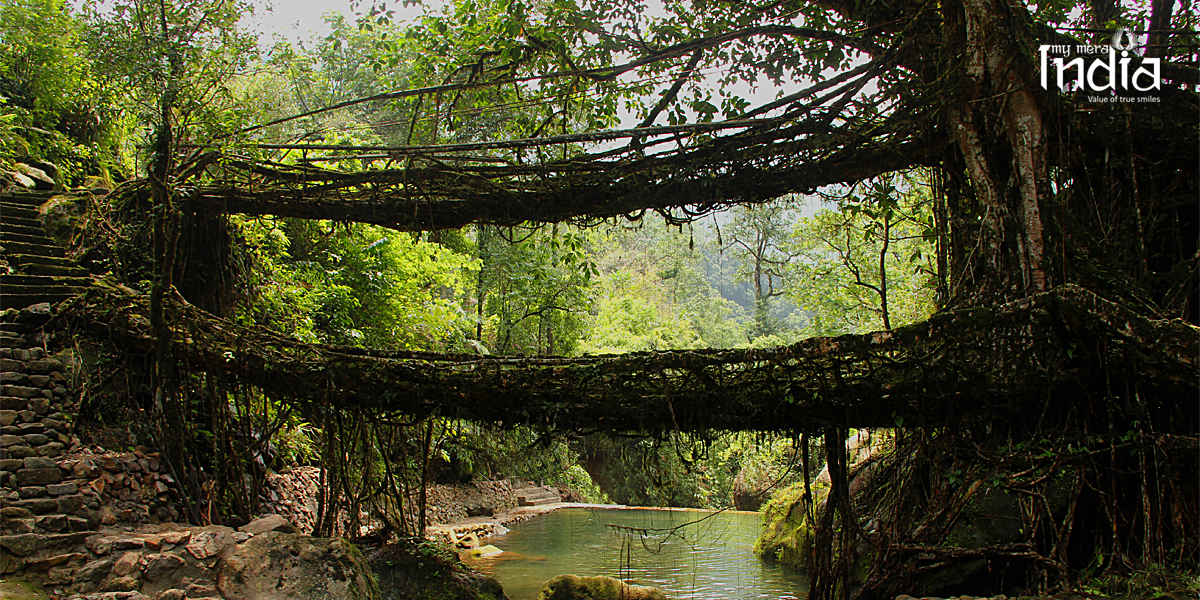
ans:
(846, 260)
(515, 181)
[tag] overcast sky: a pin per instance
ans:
(298, 19)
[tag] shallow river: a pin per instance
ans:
(687, 553)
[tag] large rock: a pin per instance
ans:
(41, 180)
(268, 523)
(95, 571)
(415, 569)
(159, 566)
(788, 520)
(574, 587)
(281, 566)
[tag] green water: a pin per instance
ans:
(689, 554)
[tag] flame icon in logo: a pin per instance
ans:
(1123, 39)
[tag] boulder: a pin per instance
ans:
(414, 568)
(122, 584)
(788, 528)
(574, 587)
(488, 550)
(41, 180)
(268, 523)
(96, 570)
(61, 214)
(278, 565)
(477, 509)
(128, 563)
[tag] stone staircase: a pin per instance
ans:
(33, 267)
(537, 496)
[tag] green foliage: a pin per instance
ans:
(685, 470)
(646, 471)
(872, 256)
(534, 290)
(1151, 581)
(53, 105)
(655, 294)
(629, 320)
(757, 237)
(357, 285)
(472, 40)
(485, 451)
(764, 464)
(185, 54)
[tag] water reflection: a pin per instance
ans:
(689, 554)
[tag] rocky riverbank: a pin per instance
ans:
(80, 521)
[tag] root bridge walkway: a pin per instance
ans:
(1005, 362)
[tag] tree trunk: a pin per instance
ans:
(997, 124)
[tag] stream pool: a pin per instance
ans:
(688, 553)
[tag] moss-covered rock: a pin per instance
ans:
(60, 216)
(790, 516)
(574, 587)
(787, 526)
(15, 589)
(418, 569)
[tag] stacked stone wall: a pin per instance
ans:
(41, 504)
(55, 493)
(452, 503)
(293, 494)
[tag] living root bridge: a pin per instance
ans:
(1005, 362)
(439, 193)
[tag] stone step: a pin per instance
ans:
(33, 290)
(533, 489)
(538, 501)
(41, 265)
(19, 301)
(53, 270)
(9, 222)
(35, 259)
(537, 496)
(31, 544)
(13, 327)
(27, 198)
(22, 217)
(31, 248)
(15, 279)
(36, 237)
(12, 210)
(22, 226)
